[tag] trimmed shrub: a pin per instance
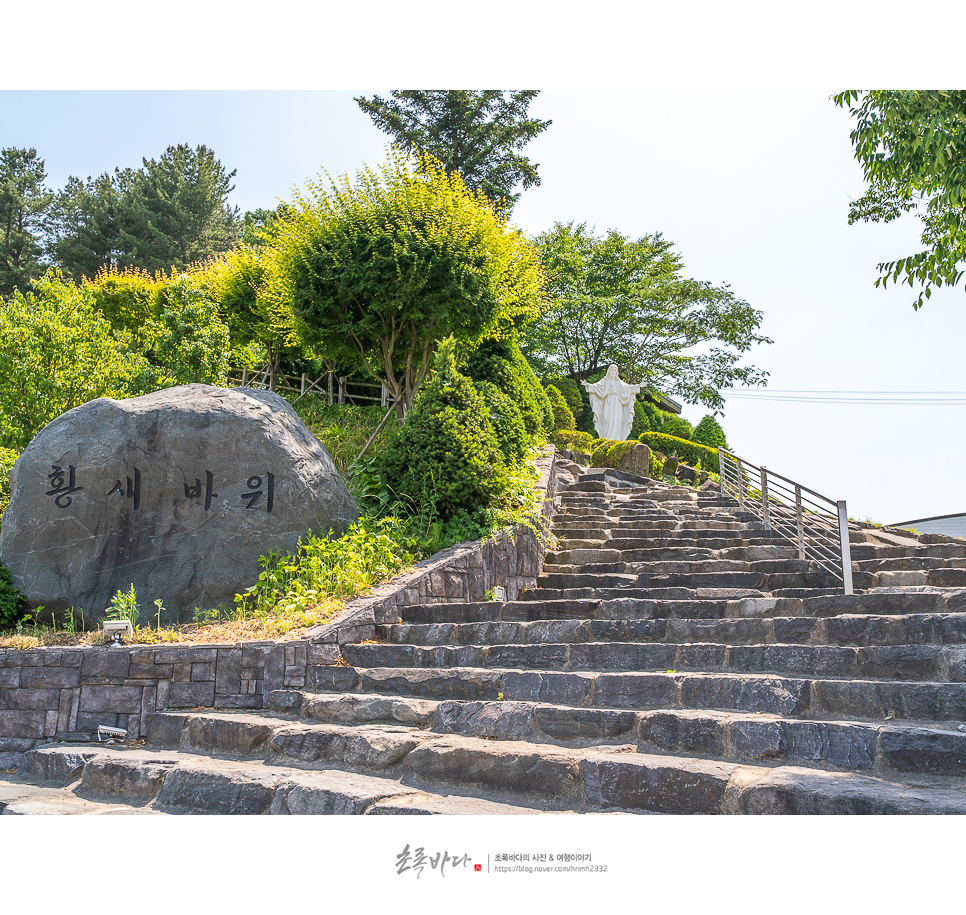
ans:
(709, 433)
(677, 426)
(574, 440)
(506, 421)
(577, 401)
(689, 452)
(500, 362)
(446, 457)
(609, 453)
(563, 418)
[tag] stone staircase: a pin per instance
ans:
(674, 657)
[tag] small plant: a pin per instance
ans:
(124, 606)
(160, 607)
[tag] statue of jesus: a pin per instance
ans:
(613, 403)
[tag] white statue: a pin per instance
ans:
(613, 403)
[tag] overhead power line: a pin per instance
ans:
(866, 398)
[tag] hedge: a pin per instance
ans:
(689, 452)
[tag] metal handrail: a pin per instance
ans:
(818, 526)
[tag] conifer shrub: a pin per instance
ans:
(689, 452)
(563, 418)
(507, 422)
(709, 433)
(577, 401)
(677, 426)
(500, 362)
(446, 457)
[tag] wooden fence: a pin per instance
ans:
(337, 389)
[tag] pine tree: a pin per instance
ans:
(24, 205)
(474, 133)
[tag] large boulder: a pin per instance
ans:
(178, 493)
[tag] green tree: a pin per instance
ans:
(475, 133)
(24, 208)
(378, 271)
(612, 299)
(169, 214)
(912, 149)
(56, 352)
(709, 432)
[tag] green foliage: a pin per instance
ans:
(169, 214)
(500, 362)
(473, 133)
(574, 440)
(192, 342)
(677, 426)
(379, 270)
(324, 567)
(507, 422)
(12, 600)
(608, 453)
(563, 418)
(912, 146)
(344, 431)
(24, 202)
(617, 300)
(8, 457)
(124, 606)
(709, 432)
(446, 457)
(688, 452)
(56, 352)
(577, 400)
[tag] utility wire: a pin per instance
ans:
(867, 398)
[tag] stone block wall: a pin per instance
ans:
(49, 694)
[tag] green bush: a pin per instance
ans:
(563, 418)
(643, 411)
(12, 600)
(506, 421)
(577, 401)
(573, 440)
(500, 362)
(677, 426)
(709, 433)
(609, 453)
(446, 457)
(689, 452)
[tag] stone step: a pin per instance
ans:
(848, 629)
(730, 736)
(890, 662)
(584, 779)
(676, 567)
(194, 783)
(674, 554)
(741, 539)
(800, 697)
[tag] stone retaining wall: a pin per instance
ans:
(66, 693)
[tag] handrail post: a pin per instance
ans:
(741, 487)
(244, 377)
(799, 525)
(764, 499)
(846, 547)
